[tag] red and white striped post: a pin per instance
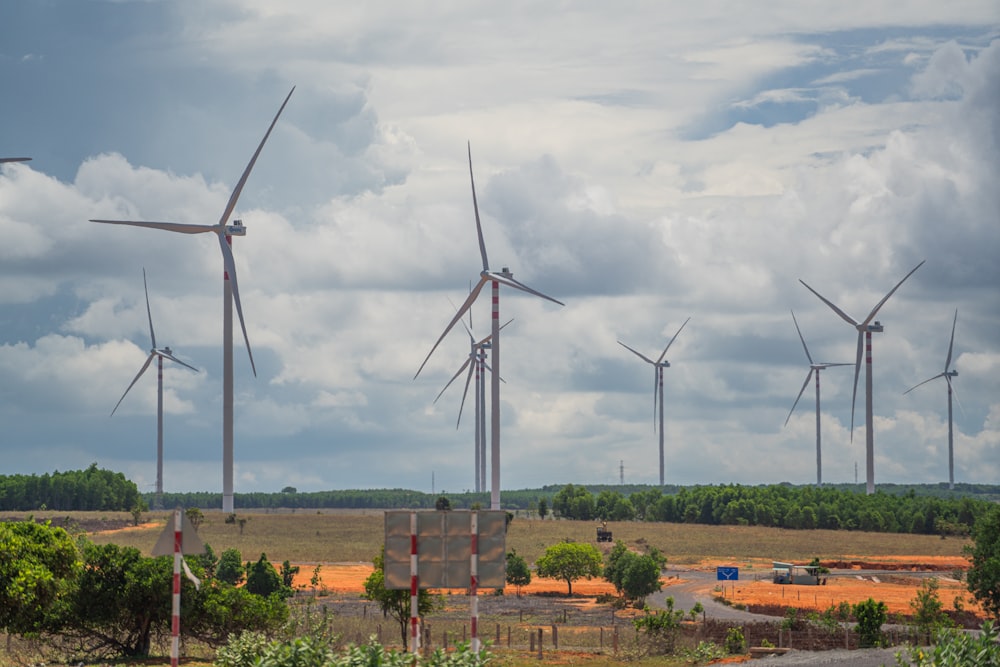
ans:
(414, 588)
(474, 579)
(175, 623)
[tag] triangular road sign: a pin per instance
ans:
(190, 542)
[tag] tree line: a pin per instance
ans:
(93, 489)
(782, 506)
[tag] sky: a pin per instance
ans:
(642, 162)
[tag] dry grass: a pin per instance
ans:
(337, 536)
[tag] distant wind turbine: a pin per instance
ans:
(948, 374)
(476, 364)
(865, 329)
(817, 367)
(496, 279)
(159, 354)
(658, 367)
(230, 293)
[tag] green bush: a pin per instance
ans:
(735, 641)
(871, 616)
(954, 648)
(242, 650)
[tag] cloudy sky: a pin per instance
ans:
(643, 162)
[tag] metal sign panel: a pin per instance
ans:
(190, 542)
(444, 548)
(727, 573)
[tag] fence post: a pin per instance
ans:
(602, 638)
(555, 637)
(508, 638)
(539, 643)
(531, 641)
(614, 639)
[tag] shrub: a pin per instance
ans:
(871, 615)
(735, 641)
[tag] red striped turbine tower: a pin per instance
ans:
(865, 329)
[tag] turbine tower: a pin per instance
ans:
(487, 276)
(658, 367)
(230, 293)
(817, 367)
(948, 374)
(160, 354)
(865, 329)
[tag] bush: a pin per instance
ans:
(953, 648)
(735, 641)
(871, 616)
(242, 650)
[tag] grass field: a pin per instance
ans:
(337, 536)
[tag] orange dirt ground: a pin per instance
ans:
(895, 587)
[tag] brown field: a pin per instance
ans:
(343, 542)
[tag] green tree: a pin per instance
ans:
(442, 503)
(38, 564)
(395, 603)
(871, 616)
(569, 561)
(518, 572)
(230, 568)
(983, 577)
(195, 517)
(263, 579)
(543, 508)
(288, 572)
(928, 610)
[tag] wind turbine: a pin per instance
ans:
(865, 329)
(658, 367)
(476, 364)
(505, 277)
(817, 367)
(947, 375)
(230, 293)
(160, 354)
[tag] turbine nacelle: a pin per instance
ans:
(236, 229)
(874, 327)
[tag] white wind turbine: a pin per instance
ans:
(476, 364)
(230, 293)
(948, 374)
(658, 367)
(813, 367)
(160, 354)
(496, 279)
(865, 329)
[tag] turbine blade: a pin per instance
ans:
(954, 393)
(829, 365)
(638, 354)
(872, 314)
(182, 228)
(149, 314)
(516, 284)
(482, 342)
(167, 355)
(808, 356)
(672, 341)
(461, 311)
(230, 264)
(465, 392)
(246, 172)
(801, 391)
(453, 378)
(939, 375)
(951, 343)
(847, 318)
(134, 380)
(475, 206)
(14, 159)
(857, 371)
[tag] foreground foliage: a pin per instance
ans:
(252, 650)
(953, 648)
(99, 601)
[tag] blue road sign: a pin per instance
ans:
(727, 573)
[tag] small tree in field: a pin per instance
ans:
(569, 561)
(518, 573)
(395, 603)
(871, 616)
